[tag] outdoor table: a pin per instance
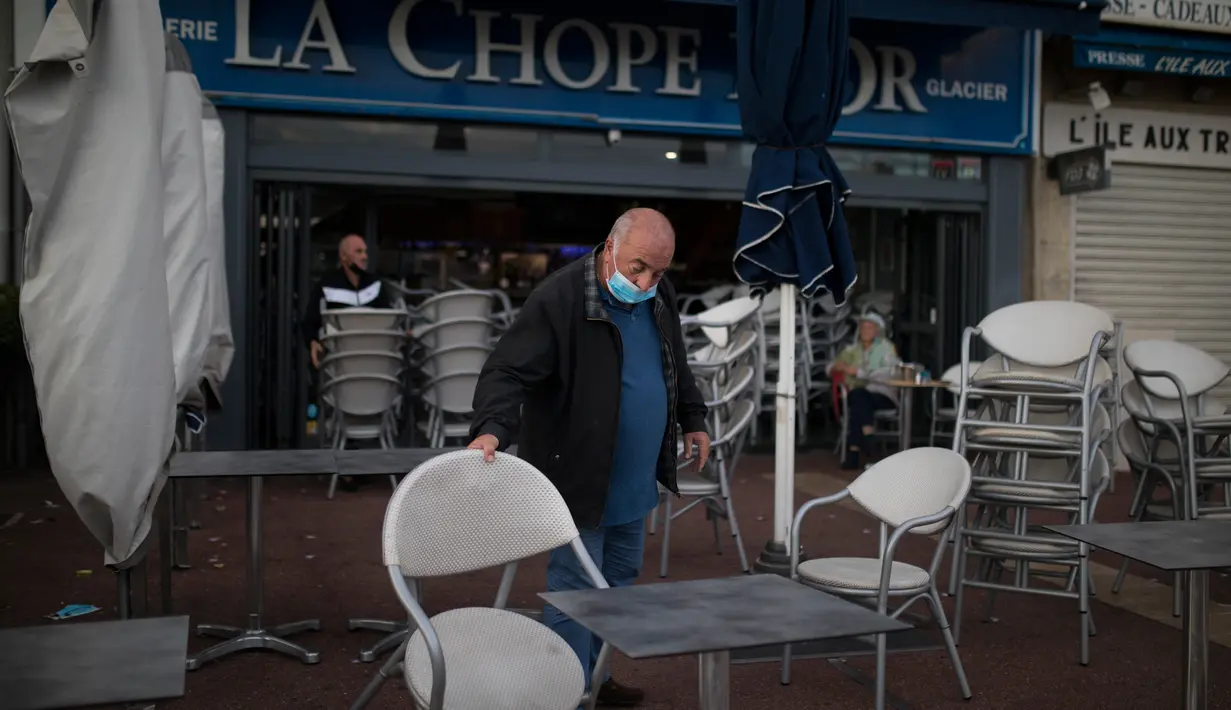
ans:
(906, 406)
(74, 664)
(255, 466)
(1192, 547)
(711, 617)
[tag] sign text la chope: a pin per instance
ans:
(886, 73)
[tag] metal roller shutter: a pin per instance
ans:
(1155, 251)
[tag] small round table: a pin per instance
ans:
(906, 405)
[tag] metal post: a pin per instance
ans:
(906, 417)
(776, 558)
(1196, 639)
(715, 680)
(256, 558)
(123, 605)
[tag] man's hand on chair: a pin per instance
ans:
(488, 445)
(316, 349)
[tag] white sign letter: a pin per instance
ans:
(625, 61)
(243, 47)
(400, 45)
(676, 59)
(893, 83)
(483, 48)
(329, 42)
(551, 55)
(867, 78)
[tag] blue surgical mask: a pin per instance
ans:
(626, 291)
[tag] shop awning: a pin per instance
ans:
(1155, 52)
(1068, 17)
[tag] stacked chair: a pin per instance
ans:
(1038, 445)
(361, 377)
(944, 416)
(1175, 439)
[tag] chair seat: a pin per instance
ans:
(691, 484)
(1040, 492)
(1062, 548)
(862, 574)
(1032, 438)
(496, 660)
(453, 430)
(992, 374)
(886, 415)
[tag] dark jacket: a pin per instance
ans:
(560, 364)
(335, 290)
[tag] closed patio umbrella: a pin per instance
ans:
(791, 74)
(86, 114)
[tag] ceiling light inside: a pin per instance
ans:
(671, 155)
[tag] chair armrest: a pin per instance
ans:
(892, 545)
(798, 521)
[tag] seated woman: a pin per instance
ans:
(862, 365)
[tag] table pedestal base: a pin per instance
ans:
(1196, 639)
(238, 639)
(715, 674)
(396, 633)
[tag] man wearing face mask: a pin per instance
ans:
(348, 286)
(592, 379)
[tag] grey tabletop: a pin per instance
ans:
(218, 464)
(298, 462)
(1168, 545)
(677, 618)
(74, 664)
(379, 461)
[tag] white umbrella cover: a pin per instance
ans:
(185, 219)
(221, 348)
(94, 298)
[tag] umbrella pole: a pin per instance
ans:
(776, 557)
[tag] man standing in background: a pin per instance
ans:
(348, 286)
(594, 374)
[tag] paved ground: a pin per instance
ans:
(323, 561)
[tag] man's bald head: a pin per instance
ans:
(641, 245)
(353, 252)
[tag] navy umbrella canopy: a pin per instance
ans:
(792, 60)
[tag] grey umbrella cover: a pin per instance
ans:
(86, 115)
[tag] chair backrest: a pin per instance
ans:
(458, 331)
(738, 381)
(1196, 369)
(455, 359)
(715, 356)
(452, 393)
(721, 322)
(364, 340)
(1144, 406)
(452, 305)
(1045, 333)
(362, 362)
(1133, 444)
(914, 483)
(737, 418)
(363, 395)
(457, 513)
(363, 318)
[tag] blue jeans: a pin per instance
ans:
(617, 552)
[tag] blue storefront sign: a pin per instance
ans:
(1153, 60)
(642, 65)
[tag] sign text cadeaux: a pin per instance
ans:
(1192, 15)
(1148, 137)
(453, 58)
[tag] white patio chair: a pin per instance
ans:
(449, 399)
(722, 322)
(362, 362)
(712, 488)
(457, 331)
(457, 514)
(363, 340)
(455, 359)
(345, 319)
(363, 407)
(460, 304)
(917, 491)
(942, 415)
